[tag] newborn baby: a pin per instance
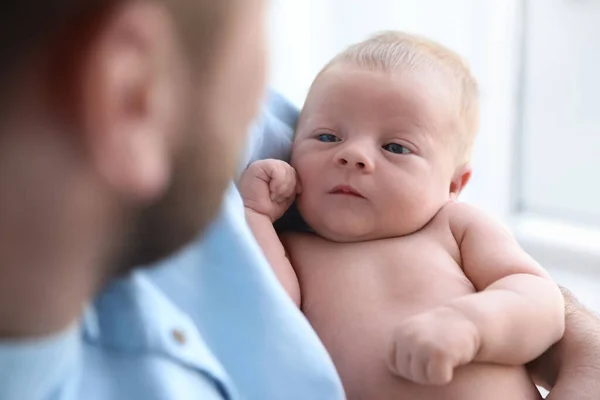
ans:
(414, 294)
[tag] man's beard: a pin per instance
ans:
(194, 197)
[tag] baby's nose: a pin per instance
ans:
(354, 158)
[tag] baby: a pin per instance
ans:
(414, 294)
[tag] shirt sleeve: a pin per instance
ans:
(271, 134)
(41, 369)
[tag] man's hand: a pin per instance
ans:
(428, 346)
(571, 368)
(269, 187)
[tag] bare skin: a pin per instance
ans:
(569, 369)
(415, 295)
(362, 292)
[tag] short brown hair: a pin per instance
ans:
(26, 24)
(392, 50)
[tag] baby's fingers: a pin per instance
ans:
(439, 371)
(290, 188)
(283, 185)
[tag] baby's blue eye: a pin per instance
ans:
(396, 148)
(328, 138)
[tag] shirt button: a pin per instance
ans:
(178, 336)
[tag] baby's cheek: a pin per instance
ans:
(409, 211)
(309, 174)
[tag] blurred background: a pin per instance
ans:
(537, 162)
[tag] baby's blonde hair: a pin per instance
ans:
(393, 50)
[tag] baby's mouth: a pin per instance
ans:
(346, 190)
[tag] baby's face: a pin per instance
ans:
(374, 153)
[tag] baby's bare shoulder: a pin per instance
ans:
(457, 210)
(463, 216)
(457, 214)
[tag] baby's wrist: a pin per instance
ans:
(252, 210)
(468, 325)
(259, 214)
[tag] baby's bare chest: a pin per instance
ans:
(401, 275)
(354, 295)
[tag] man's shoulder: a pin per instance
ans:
(134, 334)
(271, 134)
(221, 287)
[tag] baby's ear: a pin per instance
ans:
(461, 177)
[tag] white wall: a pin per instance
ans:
(558, 194)
(308, 33)
(562, 112)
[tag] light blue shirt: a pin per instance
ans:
(210, 323)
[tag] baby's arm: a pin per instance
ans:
(519, 311)
(516, 314)
(268, 188)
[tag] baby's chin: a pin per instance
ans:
(347, 231)
(355, 229)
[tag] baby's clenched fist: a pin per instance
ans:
(429, 346)
(269, 187)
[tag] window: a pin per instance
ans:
(557, 197)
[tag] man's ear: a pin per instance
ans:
(461, 178)
(129, 97)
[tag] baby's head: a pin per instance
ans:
(385, 138)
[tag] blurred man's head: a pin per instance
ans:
(121, 121)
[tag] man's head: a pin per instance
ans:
(122, 120)
(385, 138)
